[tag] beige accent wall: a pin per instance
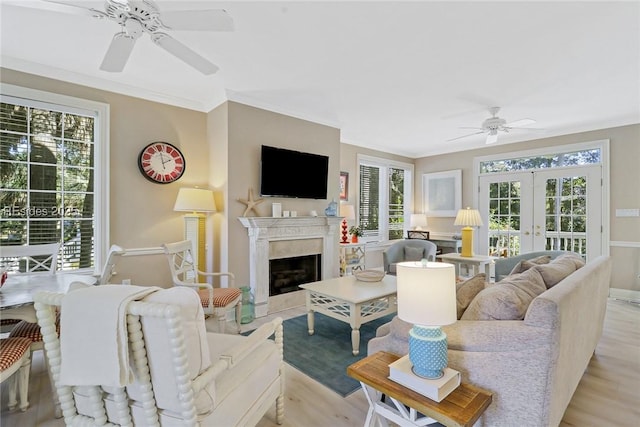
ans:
(141, 212)
(222, 149)
(248, 129)
(624, 189)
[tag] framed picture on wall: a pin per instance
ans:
(442, 193)
(344, 185)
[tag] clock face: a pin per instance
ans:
(161, 162)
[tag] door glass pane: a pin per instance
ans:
(504, 218)
(566, 214)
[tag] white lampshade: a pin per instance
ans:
(347, 211)
(418, 221)
(195, 200)
(468, 218)
(426, 293)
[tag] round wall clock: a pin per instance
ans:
(161, 162)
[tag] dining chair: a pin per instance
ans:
(15, 364)
(28, 259)
(215, 301)
(177, 372)
(31, 258)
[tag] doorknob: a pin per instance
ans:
(537, 233)
(526, 233)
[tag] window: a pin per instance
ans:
(385, 198)
(52, 174)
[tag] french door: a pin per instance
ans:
(555, 209)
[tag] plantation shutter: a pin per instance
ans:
(369, 209)
(396, 211)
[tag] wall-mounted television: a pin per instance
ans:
(289, 173)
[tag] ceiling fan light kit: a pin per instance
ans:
(494, 125)
(137, 17)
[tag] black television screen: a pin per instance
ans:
(289, 173)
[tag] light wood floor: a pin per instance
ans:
(608, 395)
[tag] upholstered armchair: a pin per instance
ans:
(407, 250)
(180, 373)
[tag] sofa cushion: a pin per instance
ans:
(526, 264)
(554, 272)
(466, 292)
(507, 299)
(413, 254)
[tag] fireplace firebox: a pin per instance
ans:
(285, 274)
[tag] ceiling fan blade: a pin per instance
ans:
(118, 53)
(182, 52)
(492, 139)
(61, 6)
(198, 20)
(521, 122)
(465, 136)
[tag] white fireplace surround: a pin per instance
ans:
(263, 230)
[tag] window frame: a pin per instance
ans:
(385, 165)
(41, 99)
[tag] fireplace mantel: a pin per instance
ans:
(262, 230)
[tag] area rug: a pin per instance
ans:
(325, 355)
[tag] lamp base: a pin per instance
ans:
(428, 351)
(467, 242)
(345, 233)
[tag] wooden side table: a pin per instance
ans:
(462, 407)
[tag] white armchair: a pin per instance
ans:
(216, 301)
(184, 376)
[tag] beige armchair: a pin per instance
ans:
(182, 374)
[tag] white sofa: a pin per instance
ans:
(532, 366)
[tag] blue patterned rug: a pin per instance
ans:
(325, 355)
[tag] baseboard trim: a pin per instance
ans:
(625, 295)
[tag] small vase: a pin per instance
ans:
(354, 238)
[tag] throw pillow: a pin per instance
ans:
(554, 272)
(467, 290)
(526, 264)
(508, 299)
(413, 254)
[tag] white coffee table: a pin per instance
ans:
(348, 300)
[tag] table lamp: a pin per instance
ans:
(197, 201)
(418, 221)
(468, 218)
(347, 212)
(426, 293)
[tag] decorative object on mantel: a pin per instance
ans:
(276, 210)
(250, 203)
(355, 232)
(332, 209)
(369, 275)
(468, 218)
(347, 212)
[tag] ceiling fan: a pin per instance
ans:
(494, 124)
(137, 17)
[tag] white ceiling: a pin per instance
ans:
(400, 77)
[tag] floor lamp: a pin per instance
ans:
(197, 201)
(468, 218)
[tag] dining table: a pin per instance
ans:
(16, 295)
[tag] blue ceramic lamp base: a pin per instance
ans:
(428, 351)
